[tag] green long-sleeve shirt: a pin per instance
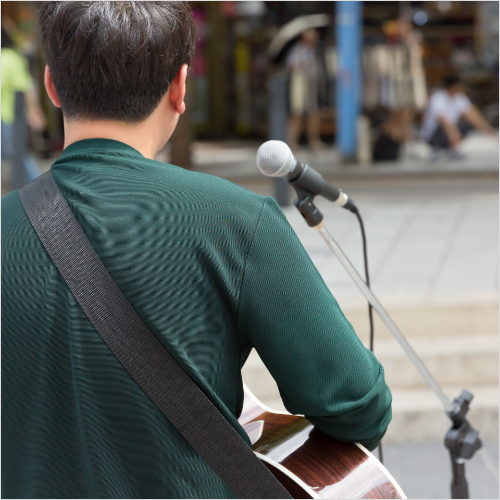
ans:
(213, 270)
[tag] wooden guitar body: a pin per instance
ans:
(311, 464)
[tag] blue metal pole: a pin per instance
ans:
(348, 90)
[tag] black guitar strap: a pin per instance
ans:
(138, 350)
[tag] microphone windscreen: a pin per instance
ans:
(275, 158)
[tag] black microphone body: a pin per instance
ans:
(306, 178)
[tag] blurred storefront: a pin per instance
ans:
(231, 74)
(228, 84)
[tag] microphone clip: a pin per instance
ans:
(305, 205)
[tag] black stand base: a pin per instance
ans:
(463, 441)
(459, 486)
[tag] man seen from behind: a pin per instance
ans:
(213, 270)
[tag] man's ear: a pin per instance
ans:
(49, 85)
(178, 90)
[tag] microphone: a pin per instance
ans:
(275, 159)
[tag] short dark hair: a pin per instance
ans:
(451, 81)
(115, 60)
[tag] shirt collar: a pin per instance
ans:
(102, 146)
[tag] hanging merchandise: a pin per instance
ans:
(417, 76)
(487, 39)
(393, 77)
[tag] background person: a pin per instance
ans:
(408, 78)
(16, 78)
(394, 131)
(304, 75)
(449, 117)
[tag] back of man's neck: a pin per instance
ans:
(137, 136)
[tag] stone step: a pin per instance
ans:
(417, 317)
(465, 359)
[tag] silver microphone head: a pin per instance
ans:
(275, 158)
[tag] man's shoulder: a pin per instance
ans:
(200, 185)
(17, 233)
(438, 96)
(439, 102)
(11, 209)
(461, 99)
(15, 223)
(161, 186)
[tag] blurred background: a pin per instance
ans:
(394, 102)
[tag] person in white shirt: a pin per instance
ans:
(449, 117)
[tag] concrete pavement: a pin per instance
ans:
(423, 470)
(422, 241)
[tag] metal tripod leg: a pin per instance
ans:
(459, 486)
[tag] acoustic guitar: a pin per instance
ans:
(310, 464)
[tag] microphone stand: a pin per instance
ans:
(462, 440)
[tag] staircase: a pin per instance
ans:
(456, 338)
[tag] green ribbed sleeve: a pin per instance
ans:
(287, 313)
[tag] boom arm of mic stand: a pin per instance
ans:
(384, 316)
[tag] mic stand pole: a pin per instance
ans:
(462, 440)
